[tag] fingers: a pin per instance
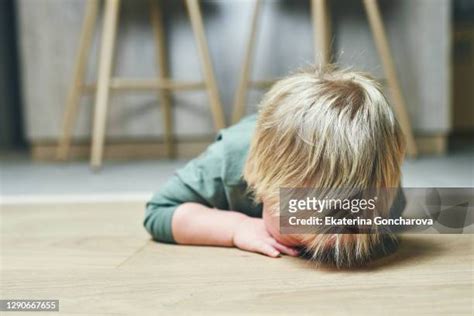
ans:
(273, 249)
(284, 249)
(266, 249)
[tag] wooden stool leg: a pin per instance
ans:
(156, 18)
(210, 81)
(109, 31)
(70, 113)
(375, 21)
(321, 32)
(241, 94)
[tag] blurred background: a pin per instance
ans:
(432, 43)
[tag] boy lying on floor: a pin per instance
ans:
(319, 129)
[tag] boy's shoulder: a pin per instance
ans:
(237, 136)
(235, 143)
(225, 158)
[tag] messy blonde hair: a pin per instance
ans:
(326, 129)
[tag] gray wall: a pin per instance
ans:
(11, 133)
(419, 32)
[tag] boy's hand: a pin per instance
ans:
(251, 235)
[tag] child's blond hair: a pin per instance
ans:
(326, 129)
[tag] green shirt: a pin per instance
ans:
(213, 179)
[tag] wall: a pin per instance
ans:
(11, 132)
(419, 32)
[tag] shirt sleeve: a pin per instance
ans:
(200, 181)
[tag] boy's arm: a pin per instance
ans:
(179, 214)
(192, 208)
(196, 224)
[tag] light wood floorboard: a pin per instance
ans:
(97, 259)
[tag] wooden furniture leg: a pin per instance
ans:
(156, 18)
(321, 32)
(111, 11)
(208, 72)
(241, 94)
(74, 94)
(380, 38)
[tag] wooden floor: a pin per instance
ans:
(97, 259)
